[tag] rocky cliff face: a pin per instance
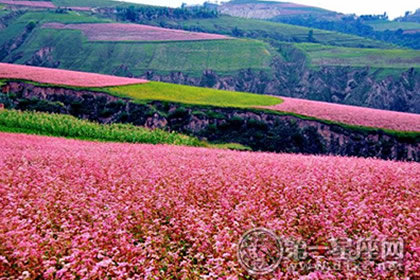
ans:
(343, 85)
(259, 130)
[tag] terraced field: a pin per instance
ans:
(34, 4)
(142, 91)
(133, 32)
(321, 55)
(74, 51)
(81, 5)
(381, 25)
(62, 77)
(193, 95)
(42, 17)
(278, 31)
(351, 114)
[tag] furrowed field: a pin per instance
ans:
(84, 210)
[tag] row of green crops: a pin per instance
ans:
(71, 127)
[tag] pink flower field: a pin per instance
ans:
(62, 77)
(34, 4)
(40, 4)
(83, 210)
(133, 32)
(351, 114)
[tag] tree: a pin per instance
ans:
(311, 36)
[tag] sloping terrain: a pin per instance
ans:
(330, 66)
(351, 114)
(129, 54)
(133, 32)
(224, 117)
(270, 9)
(121, 210)
(142, 91)
(382, 25)
(260, 29)
(321, 55)
(62, 77)
(81, 5)
(34, 4)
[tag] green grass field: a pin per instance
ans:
(73, 51)
(86, 3)
(278, 31)
(42, 17)
(320, 55)
(192, 95)
(71, 127)
(382, 25)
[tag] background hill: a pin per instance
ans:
(377, 27)
(272, 9)
(260, 56)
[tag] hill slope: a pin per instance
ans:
(271, 9)
(267, 63)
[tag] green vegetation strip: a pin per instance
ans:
(192, 95)
(71, 127)
(321, 55)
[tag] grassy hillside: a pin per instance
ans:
(320, 55)
(85, 3)
(278, 31)
(41, 17)
(73, 51)
(192, 95)
(382, 25)
(270, 9)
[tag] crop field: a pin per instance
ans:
(62, 77)
(134, 32)
(279, 31)
(71, 127)
(42, 17)
(142, 91)
(192, 95)
(36, 4)
(78, 5)
(73, 51)
(351, 114)
(74, 209)
(87, 3)
(321, 55)
(381, 25)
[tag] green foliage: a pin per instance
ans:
(148, 13)
(260, 29)
(71, 127)
(192, 95)
(86, 3)
(382, 25)
(321, 55)
(232, 146)
(363, 26)
(42, 17)
(73, 51)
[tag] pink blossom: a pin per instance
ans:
(75, 209)
(351, 114)
(62, 77)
